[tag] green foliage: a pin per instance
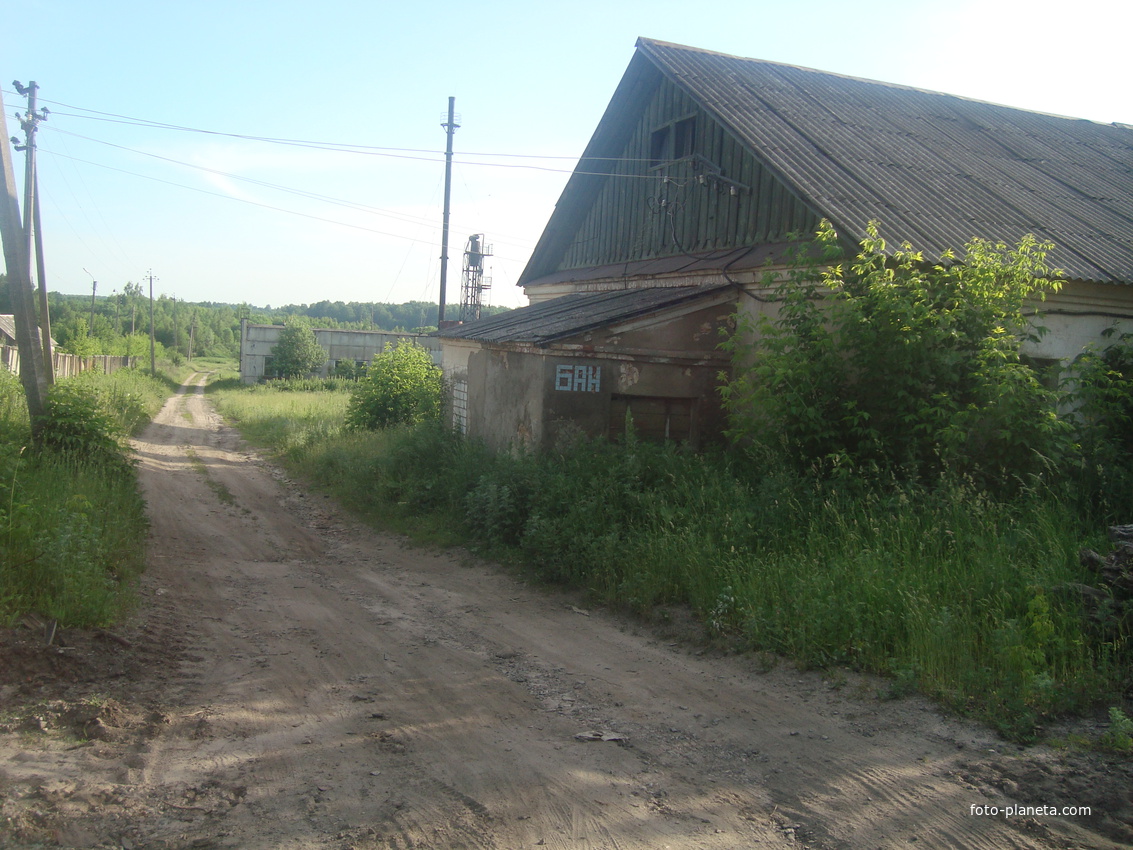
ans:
(948, 590)
(297, 353)
(88, 417)
(884, 364)
(1119, 736)
(940, 586)
(349, 370)
(401, 386)
(14, 428)
(72, 541)
(78, 426)
(121, 321)
(1101, 398)
(286, 415)
(72, 524)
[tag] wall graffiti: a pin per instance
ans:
(578, 379)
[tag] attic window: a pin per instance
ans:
(684, 132)
(674, 140)
(659, 146)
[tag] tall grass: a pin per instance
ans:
(72, 524)
(286, 415)
(968, 598)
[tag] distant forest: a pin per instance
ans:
(120, 323)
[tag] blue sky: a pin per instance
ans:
(222, 218)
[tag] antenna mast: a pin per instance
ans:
(474, 283)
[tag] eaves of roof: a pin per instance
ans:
(729, 260)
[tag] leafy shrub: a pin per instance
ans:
(13, 410)
(1101, 397)
(1119, 736)
(401, 386)
(349, 370)
(297, 353)
(886, 364)
(78, 425)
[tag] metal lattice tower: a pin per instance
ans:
(473, 283)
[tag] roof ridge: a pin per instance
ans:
(650, 44)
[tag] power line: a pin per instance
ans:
(344, 147)
(234, 198)
(360, 207)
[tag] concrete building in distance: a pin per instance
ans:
(358, 347)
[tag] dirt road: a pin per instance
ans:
(292, 680)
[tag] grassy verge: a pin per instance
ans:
(287, 416)
(944, 590)
(72, 523)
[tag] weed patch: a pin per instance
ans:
(72, 524)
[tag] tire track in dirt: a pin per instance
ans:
(337, 688)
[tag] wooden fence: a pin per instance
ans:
(67, 365)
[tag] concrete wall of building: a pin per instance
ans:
(505, 397)
(659, 368)
(257, 341)
(1076, 317)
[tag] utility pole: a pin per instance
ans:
(32, 223)
(44, 310)
(93, 290)
(450, 128)
(18, 263)
(152, 355)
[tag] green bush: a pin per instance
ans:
(401, 386)
(14, 428)
(72, 523)
(78, 426)
(885, 364)
(297, 353)
(1101, 399)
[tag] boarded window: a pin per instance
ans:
(655, 418)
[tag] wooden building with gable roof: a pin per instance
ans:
(706, 169)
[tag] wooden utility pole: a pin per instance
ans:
(450, 127)
(18, 263)
(152, 356)
(32, 222)
(93, 290)
(44, 309)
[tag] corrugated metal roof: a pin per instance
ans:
(934, 169)
(8, 325)
(722, 259)
(569, 315)
(8, 328)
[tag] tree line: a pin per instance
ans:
(119, 323)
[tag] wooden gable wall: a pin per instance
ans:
(654, 205)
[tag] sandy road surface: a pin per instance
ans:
(295, 681)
